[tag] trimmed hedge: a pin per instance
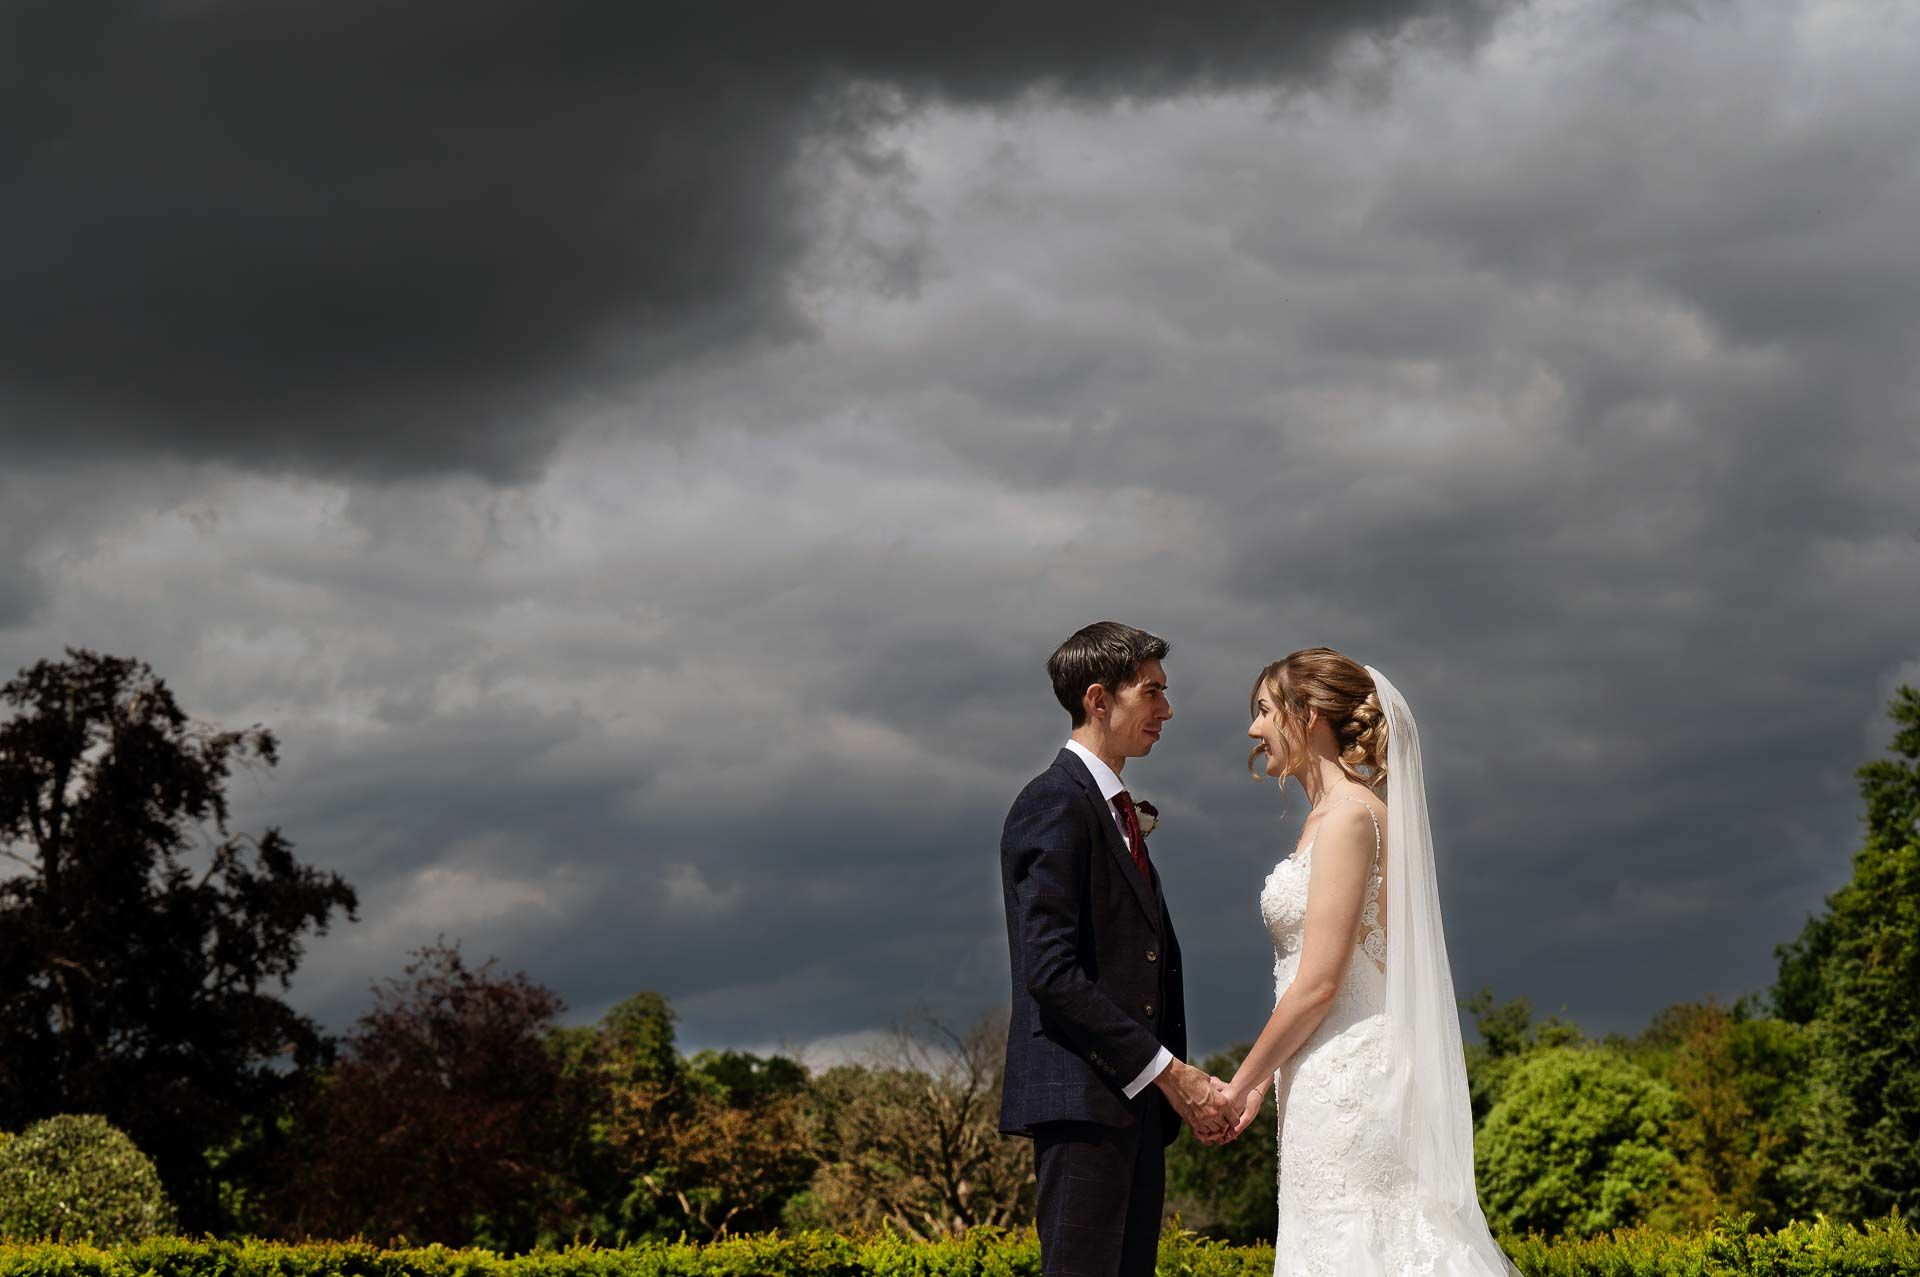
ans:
(1820, 1249)
(76, 1177)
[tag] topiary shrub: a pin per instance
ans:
(76, 1177)
(1576, 1144)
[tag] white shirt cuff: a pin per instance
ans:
(1161, 1059)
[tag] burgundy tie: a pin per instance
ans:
(1135, 839)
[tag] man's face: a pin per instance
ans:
(1136, 712)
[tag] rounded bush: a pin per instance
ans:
(1575, 1144)
(77, 1177)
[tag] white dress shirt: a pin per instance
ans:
(1109, 782)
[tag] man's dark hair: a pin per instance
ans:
(1107, 653)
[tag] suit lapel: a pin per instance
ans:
(1110, 835)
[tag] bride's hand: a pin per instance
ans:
(1249, 1108)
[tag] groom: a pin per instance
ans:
(1094, 1071)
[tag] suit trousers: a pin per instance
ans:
(1100, 1194)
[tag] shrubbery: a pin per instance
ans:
(75, 1178)
(1575, 1143)
(1729, 1250)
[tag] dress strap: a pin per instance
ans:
(1376, 826)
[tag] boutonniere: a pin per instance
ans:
(1148, 815)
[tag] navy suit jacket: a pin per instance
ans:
(1096, 967)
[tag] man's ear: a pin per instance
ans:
(1094, 698)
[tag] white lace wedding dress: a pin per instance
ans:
(1347, 1203)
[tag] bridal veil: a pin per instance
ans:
(1425, 1098)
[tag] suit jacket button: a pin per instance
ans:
(1152, 956)
(1149, 1008)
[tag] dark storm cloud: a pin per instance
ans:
(1500, 381)
(384, 240)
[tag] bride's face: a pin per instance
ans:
(1270, 729)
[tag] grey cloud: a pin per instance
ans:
(361, 240)
(736, 713)
(21, 591)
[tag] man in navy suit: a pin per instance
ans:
(1095, 1074)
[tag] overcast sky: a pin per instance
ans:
(640, 463)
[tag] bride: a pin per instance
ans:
(1363, 1046)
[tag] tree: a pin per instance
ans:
(912, 1139)
(137, 968)
(656, 1145)
(710, 1160)
(1507, 1034)
(443, 1120)
(78, 1178)
(1227, 1191)
(602, 1067)
(1854, 976)
(1575, 1144)
(1739, 1126)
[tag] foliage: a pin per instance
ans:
(136, 964)
(1731, 1249)
(439, 1124)
(77, 1178)
(1507, 1033)
(1856, 973)
(631, 1047)
(912, 1140)
(708, 1159)
(1575, 1144)
(1226, 1192)
(1739, 1126)
(743, 1079)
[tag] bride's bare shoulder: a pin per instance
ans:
(1374, 800)
(1349, 821)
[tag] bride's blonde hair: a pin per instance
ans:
(1339, 687)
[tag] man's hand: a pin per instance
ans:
(1200, 1100)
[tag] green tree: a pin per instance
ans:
(1507, 1032)
(1854, 976)
(1226, 1191)
(78, 1178)
(1575, 1144)
(742, 1079)
(141, 943)
(654, 1145)
(603, 1067)
(1740, 1080)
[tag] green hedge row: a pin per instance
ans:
(1819, 1249)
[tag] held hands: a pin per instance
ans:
(1244, 1106)
(1201, 1100)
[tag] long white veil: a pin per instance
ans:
(1425, 1098)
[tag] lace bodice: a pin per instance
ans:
(1283, 906)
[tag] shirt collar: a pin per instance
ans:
(1103, 775)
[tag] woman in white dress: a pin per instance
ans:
(1363, 1045)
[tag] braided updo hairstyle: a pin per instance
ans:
(1339, 687)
